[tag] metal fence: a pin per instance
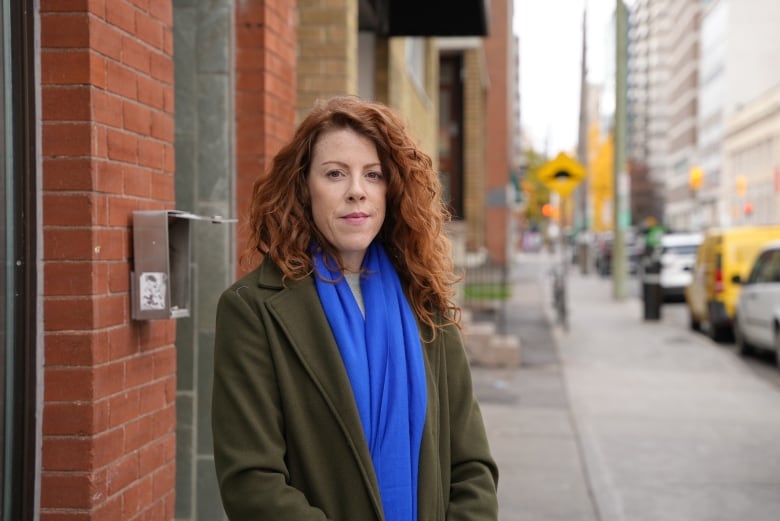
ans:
(486, 289)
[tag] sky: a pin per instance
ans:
(550, 34)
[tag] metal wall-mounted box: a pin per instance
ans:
(162, 251)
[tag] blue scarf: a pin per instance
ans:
(384, 362)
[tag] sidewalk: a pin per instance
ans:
(622, 419)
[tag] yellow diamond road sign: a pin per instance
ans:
(562, 174)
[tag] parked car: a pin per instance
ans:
(677, 256)
(725, 255)
(757, 322)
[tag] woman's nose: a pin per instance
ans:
(356, 190)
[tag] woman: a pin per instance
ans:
(341, 387)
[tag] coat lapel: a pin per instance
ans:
(296, 309)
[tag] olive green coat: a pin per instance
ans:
(288, 442)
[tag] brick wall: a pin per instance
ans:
(498, 113)
(108, 443)
(266, 85)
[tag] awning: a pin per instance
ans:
(425, 17)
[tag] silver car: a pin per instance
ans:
(757, 321)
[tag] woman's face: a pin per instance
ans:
(347, 189)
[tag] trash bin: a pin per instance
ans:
(652, 295)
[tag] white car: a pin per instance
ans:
(757, 321)
(678, 257)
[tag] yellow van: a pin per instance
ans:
(722, 260)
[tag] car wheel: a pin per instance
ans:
(743, 347)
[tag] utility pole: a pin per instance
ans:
(582, 156)
(620, 176)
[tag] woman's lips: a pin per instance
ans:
(356, 217)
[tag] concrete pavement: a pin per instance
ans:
(622, 419)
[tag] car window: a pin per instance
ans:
(682, 249)
(773, 274)
(762, 268)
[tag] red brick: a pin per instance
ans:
(92, 6)
(163, 11)
(74, 418)
(122, 15)
(110, 177)
(139, 433)
(165, 362)
(74, 278)
(137, 496)
(111, 310)
(153, 455)
(107, 108)
(68, 314)
(136, 55)
(112, 244)
(67, 173)
(119, 277)
(137, 183)
(100, 142)
(151, 153)
(142, 5)
(157, 333)
(65, 103)
(163, 127)
(123, 407)
(169, 166)
(67, 490)
(120, 210)
(62, 384)
(140, 370)
(121, 80)
(149, 30)
(153, 397)
(151, 93)
(65, 30)
(63, 209)
(67, 139)
(105, 39)
(67, 453)
(165, 478)
(161, 67)
(168, 99)
(75, 349)
(109, 379)
(122, 342)
(65, 67)
(65, 243)
(122, 146)
(109, 446)
(136, 118)
(168, 41)
(122, 473)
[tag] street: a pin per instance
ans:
(622, 419)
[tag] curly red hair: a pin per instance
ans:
(281, 223)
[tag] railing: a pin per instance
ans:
(486, 289)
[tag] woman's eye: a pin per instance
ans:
(333, 173)
(374, 175)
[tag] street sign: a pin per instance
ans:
(562, 174)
